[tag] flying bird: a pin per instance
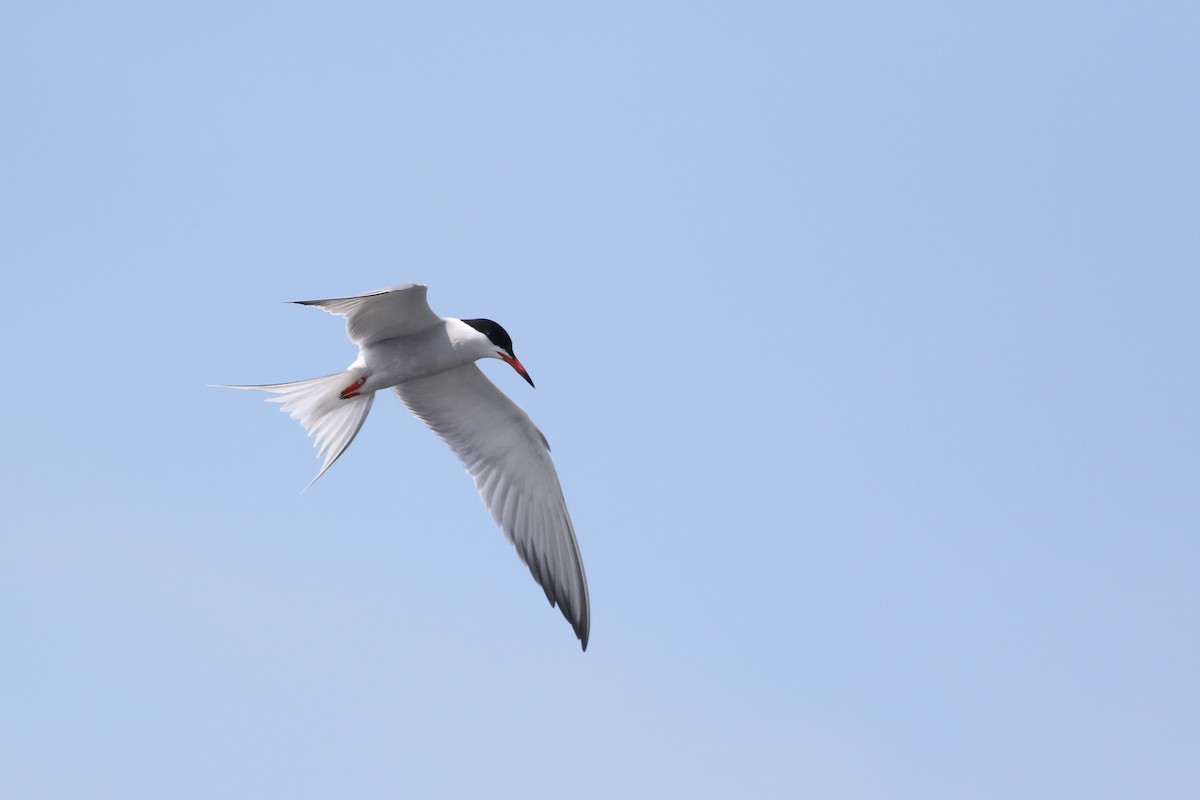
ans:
(429, 362)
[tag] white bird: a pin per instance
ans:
(429, 362)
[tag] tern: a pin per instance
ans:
(429, 362)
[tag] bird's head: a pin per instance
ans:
(501, 345)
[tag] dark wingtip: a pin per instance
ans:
(583, 629)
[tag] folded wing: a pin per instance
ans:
(510, 461)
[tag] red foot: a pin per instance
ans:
(352, 389)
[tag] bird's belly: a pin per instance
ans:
(394, 361)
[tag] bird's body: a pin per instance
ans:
(443, 346)
(429, 361)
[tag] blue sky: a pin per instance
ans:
(865, 336)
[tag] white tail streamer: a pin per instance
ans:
(317, 404)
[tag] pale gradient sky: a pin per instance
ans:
(865, 335)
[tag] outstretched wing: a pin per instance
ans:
(385, 314)
(510, 461)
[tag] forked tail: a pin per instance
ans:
(331, 421)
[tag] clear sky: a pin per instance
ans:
(865, 335)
